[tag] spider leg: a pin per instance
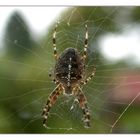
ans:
(74, 103)
(51, 101)
(86, 43)
(54, 42)
(83, 105)
(88, 78)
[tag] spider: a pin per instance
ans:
(69, 76)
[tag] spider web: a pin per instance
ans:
(30, 85)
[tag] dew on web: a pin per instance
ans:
(112, 93)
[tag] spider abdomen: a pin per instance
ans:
(69, 68)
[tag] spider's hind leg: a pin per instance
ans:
(54, 41)
(51, 100)
(86, 43)
(83, 105)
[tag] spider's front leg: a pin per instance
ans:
(51, 100)
(83, 105)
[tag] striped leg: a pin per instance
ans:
(51, 100)
(86, 43)
(89, 78)
(83, 105)
(54, 41)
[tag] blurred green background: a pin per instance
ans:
(25, 63)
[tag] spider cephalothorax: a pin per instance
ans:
(69, 75)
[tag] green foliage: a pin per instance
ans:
(17, 37)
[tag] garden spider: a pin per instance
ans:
(69, 76)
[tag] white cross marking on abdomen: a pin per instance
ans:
(69, 73)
